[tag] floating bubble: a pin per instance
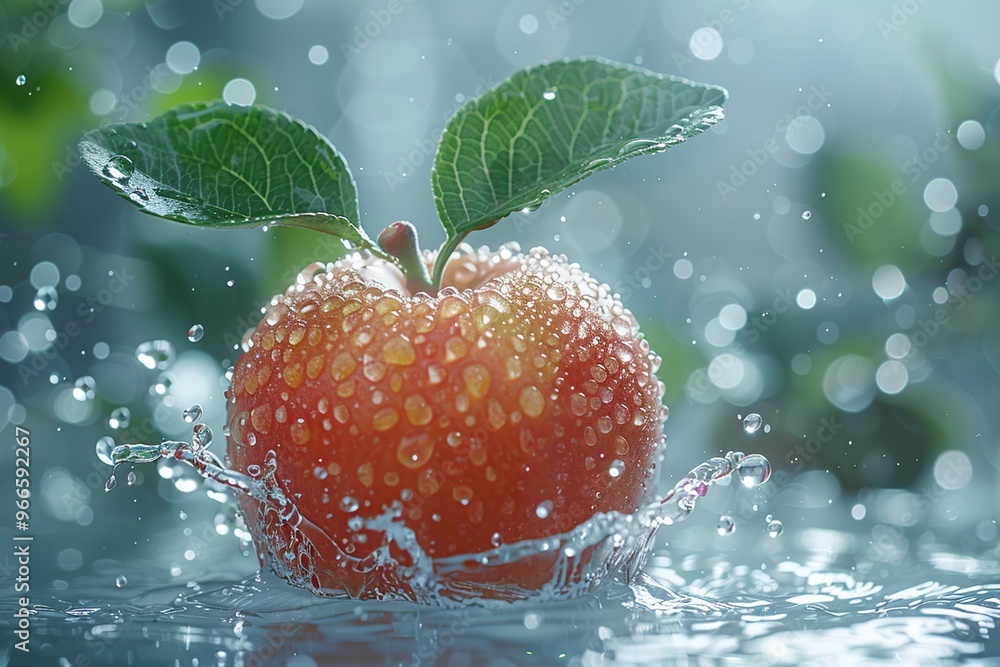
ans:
(46, 298)
(528, 24)
(753, 470)
(805, 135)
(940, 195)
(318, 54)
(971, 135)
(193, 414)
(103, 449)
(805, 299)
(120, 418)
(752, 422)
(162, 385)
(156, 354)
(706, 43)
(183, 57)
(195, 333)
(84, 388)
(240, 92)
(726, 525)
(774, 528)
(888, 281)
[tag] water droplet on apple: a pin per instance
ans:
(544, 509)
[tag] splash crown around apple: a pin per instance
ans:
(412, 424)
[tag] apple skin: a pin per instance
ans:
(515, 404)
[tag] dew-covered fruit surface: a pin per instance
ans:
(515, 404)
(456, 423)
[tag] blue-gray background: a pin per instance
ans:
(867, 344)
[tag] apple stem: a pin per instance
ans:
(444, 254)
(400, 240)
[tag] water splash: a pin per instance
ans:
(299, 552)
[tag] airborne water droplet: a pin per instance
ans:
(752, 422)
(155, 354)
(193, 414)
(753, 470)
(726, 525)
(195, 333)
(20, 80)
(83, 388)
(46, 298)
(119, 168)
(774, 528)
(120, 418)
(131, 477)
(162, 385)
(121, 581)
(111, 483)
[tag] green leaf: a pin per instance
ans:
(216, 165)
(549, 126)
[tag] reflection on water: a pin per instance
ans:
(813, 596)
